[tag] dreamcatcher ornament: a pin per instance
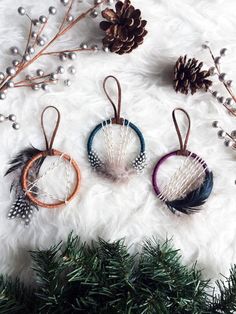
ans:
(114, 166)
(190, 186)
(26, 167)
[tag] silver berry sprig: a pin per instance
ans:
(229, 139)
(227, 102)
(38, 45)
(11, 118)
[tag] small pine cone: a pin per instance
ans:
(189, 77)
(124, 27)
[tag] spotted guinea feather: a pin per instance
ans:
(22, 207)
(192, 201)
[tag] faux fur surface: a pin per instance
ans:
(131, 210)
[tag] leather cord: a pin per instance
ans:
(183, 143)
(49, 144)
(117, 119)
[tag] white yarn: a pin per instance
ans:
(184, 178)
(116, 152)
(108, 137)
(42, 192)
(123, 143)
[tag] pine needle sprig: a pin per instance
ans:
(118, 269)
(161, 270)
(225, 300)
(15, 298)
(103, 274)
(104, 278)
(49, 270)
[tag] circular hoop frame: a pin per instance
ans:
(139, 163)
(29, 165)
(125, 123)
(185, 153)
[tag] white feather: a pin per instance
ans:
(116, 172)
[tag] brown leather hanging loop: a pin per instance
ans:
(49, 144)
(117, 119)
(183, 144)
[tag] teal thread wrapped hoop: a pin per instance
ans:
(126, 123)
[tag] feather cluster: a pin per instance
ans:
(192, 201)
(22, 207)
(116, 173)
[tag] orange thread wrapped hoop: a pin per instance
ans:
(28, 167)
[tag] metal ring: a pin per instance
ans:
(104, 123)
(185, 153)
(29, 165)
(139, 163)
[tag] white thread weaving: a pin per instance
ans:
(121, 151)
(184, 178)
(41, 192)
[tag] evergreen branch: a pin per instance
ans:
(104, 278)
(49, 269)
(14, 297)
(180, 289)
(225, 300)
(102, 274)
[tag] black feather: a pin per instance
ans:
(192, 201)
(22, 207)
(20, 160)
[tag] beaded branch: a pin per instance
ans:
(114, 166)
(126, 21)
(228, 103)
(183, 193)
(229, 138)
(26, 166)
(37, 46)
(222, 77)
(189, 76)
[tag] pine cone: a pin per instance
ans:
(189, 77)
(125, 29)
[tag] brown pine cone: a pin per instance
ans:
(125, 29)
(189, 77)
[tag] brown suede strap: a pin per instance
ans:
(49, 144)
(183, 144)
(117, 119)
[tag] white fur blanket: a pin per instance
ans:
(130, 211)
